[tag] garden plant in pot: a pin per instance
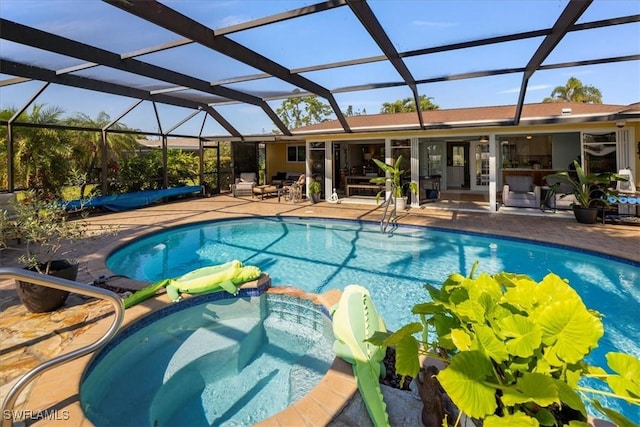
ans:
(314, 189)
(516, 351)
(394, 176)
(590, 191)
(49, 237)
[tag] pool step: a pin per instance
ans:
(231, 343)
(207, 356)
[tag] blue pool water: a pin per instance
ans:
(212, 360)
(317, 255)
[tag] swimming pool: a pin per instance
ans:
(317, 255)
(210, 360)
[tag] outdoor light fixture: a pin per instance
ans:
(620, 124)
(484, 140)
(529, 137)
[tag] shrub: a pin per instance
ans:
(515, 350)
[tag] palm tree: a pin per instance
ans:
(408, 105)
(87, 146)
(575, 91)
(42, 155)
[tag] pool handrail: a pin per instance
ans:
(58, 283)
(387, 203)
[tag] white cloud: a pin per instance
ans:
(529, 89)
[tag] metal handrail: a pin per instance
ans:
(67, 285)
(383, 226)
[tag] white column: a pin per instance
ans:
(492, 173)
(328, 169)
(415, 170)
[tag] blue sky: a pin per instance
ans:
(329, 37)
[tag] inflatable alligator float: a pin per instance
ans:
(228, 277)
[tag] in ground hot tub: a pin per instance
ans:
(210, 360)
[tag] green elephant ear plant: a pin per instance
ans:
(515, 350)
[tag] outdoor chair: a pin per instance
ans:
(559, 195)
(519, 191)
(244, 185)
(293, 192)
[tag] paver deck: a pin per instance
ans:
(28, 339)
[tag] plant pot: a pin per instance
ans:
(585, 215)
(314, 198)
(401, 203)
(40, 299)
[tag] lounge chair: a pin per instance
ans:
(244, 185)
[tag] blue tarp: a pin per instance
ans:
(123, 202)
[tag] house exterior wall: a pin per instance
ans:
(566, 144)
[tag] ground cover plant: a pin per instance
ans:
(515, 350)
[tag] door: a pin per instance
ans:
(458, 165)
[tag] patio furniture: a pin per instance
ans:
(262, 190)
(561, 197)
(519, 191)
(293, 192)
(244, 185)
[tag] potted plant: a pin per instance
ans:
(394, 177)
(590, 191)
(48, 239)
(314, 189)
(515, 350)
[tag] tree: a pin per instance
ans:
(87, 146)
(42, 155)
(303, 111)
(349, 112)
(575, 91)
(408, 105)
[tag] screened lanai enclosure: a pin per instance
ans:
(123, 95)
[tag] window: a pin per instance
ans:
(296, 153)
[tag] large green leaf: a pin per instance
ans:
(627, 382)
(428, 308)
(519, 419)
(487, 342)
(464, 381)
(569, 397)
(570, 331)
(537, 388)
(405, 331)
(470, 310)
(523, 295)
(484, 284)
(553, 288)
(461, 339)
(407, 362)
(523, 335)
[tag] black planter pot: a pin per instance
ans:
(314, 198)
(40, 299)
(585, 215)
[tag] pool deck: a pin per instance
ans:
(27, 339)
